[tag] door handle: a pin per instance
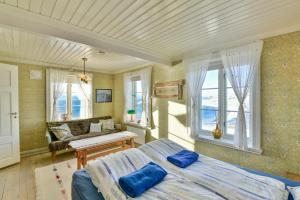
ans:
(14, 114)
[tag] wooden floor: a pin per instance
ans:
(17, 182)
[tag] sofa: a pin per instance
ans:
(79, 130)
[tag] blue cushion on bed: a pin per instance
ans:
(183, 158)
(83, 187)
(135, 183)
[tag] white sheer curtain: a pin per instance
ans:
(86, 108)
(196, 70)
(241, 65)
(145, 75)
(127, 94)
(56, 80)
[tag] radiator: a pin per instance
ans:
(140, 139)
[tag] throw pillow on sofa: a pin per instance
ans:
(108, 124)
(62, 132)
(95, 127)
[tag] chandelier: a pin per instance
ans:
(84, 77)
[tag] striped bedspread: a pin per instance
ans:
(106, 171)
(227, 180)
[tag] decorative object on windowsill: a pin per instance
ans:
(131, 113)
(84, 77)
(64, 117)
(103, 95)
(217, 132)
(173, 89)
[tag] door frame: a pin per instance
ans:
(15, 122)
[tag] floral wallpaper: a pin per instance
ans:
(280, 88)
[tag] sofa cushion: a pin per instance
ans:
(107, 124)
(61, 132)
(95, 127)
(79, 127)
(63, 144)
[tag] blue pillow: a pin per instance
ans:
(183, 158)
(135, 183)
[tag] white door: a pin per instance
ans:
(9, 109)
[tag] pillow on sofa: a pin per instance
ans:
(61, 132)
(95, 127)
(108, 124)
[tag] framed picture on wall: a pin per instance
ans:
(103, 95)
(173, 89)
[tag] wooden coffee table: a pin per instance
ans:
(91, 148)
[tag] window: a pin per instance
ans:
(137, 98)
(62, 104)
(219, 103)
(73, 104)
(210, 101)
(67, 97)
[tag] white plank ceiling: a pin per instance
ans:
(22, 46)
(164, 30)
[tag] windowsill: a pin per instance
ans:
(137, 125)
(226, 143)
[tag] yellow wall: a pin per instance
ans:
(32, 108)
(280, 108)
(32, 105)
(103, 81)
(118, 96)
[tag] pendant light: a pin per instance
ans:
(83, 77)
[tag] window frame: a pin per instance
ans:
(254, 141)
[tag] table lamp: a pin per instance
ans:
(131, 113)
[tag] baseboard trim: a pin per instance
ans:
(33, 152)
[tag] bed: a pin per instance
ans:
(84, 189)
